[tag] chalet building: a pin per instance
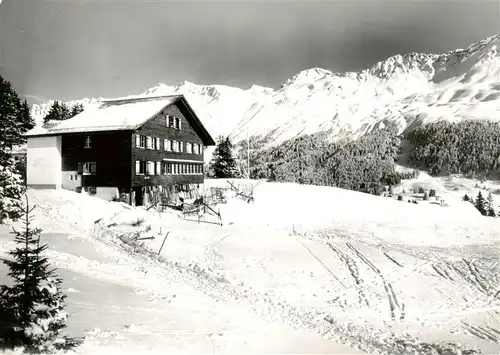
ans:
(130, 145)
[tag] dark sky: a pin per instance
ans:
(69, 49)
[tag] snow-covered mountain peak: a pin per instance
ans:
(308, 76)
(160, 89)
(261, 90)
(403, 90)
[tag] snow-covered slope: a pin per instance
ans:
(402, 90)
(373, 273)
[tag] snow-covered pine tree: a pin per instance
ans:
(11, 192)
(32, 309)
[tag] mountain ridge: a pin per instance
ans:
(403, 90)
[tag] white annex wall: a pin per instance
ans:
(44, 163)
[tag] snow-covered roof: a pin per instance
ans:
(113, 114)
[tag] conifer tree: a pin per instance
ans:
(59, 111)
(32, 309)
(26, 122)
(75, 110)
(11, 192)
(481, 204)
(223, 162)
(10, 127)
(15, 120)
(490, 207)
(54, 113)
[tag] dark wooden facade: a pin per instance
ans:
(113, 156)
(110, 151)
(156, 128)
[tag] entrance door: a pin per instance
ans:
(139, 196)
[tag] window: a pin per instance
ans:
(149, 142)
(150, 168)
(158, 168)
(176, 146)
(169, 168)
(170, 121)
(177, 123)
(155, 143)
(87, 168)
(189, 148)
(140, 141)
(167, 145)
(181, 146)
(175, 168)
(140, 167)
(88, 141)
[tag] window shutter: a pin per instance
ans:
(148, 142)
(137, 167)
(137, 140)
(181, 147)
(180, 123)
(157, 143)
(158, 167)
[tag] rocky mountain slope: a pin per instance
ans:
(404, 90)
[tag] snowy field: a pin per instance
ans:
(302, 269)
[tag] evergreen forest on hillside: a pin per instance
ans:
(466, 147)
(367, 164)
